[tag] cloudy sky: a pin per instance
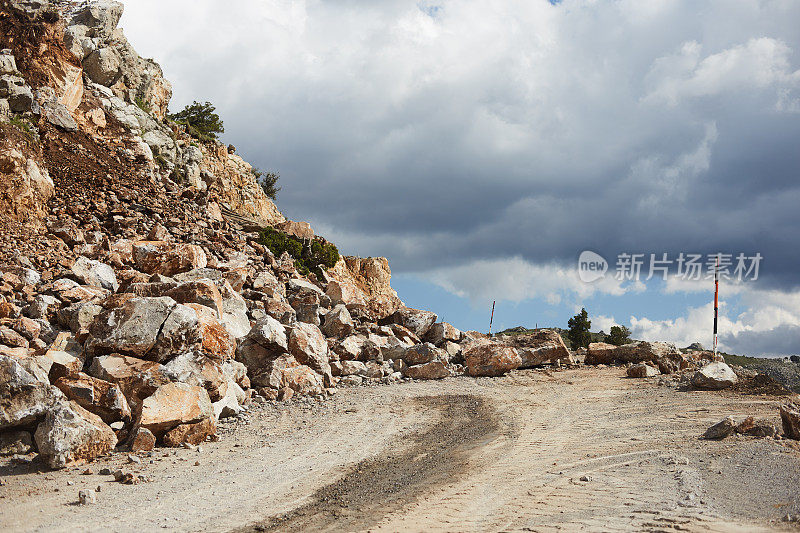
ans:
(482, 146)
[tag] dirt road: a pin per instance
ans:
(583, 449)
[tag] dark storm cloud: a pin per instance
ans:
(448, 132)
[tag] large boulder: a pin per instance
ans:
(308, 345)
(541, 346)
(714, 376)
(422, 353)
(303, 380)
(103, 398)
(491, 359)
(234, 311)
(24, 398)
(642, 370)
(174, 404)
(100, 16)
(790, 418)
(216, 340)
(138, 379)
(349, 348)
(201, 291)
(306, 306)
(663, 355)
(159, 257)
(416, 320)
(103, 66)
(338, 322)
(155, 329)
(71, 434)
(190, 433)
(285, 372)
(266, 342)
(364, 286)
(442, 332)
(196, 369)
(601, 353)
(95, 273)
(436, 369)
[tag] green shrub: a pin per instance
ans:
(200, 120)
(24, 126)
(308, 257)
(619, 335)
(578, 333)
(268, 182)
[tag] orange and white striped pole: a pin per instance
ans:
(716, 303)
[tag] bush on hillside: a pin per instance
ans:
(200, 120)
(309, 256)
(268, 182)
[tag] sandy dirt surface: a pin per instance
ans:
(577, 450)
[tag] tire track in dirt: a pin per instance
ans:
(375, 487)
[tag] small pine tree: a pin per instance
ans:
(619, 335)
(578, 333)
(268, 182)
(201, 120)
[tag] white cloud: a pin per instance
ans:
(603, 323)
(516, 280)
(759, 63)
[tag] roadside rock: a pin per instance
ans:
(491, 359)
(436, 369)
(194, 368)
(137, 378)
(23, 398)
(642, 370)
(217, 341)
(541, 346)
(790, 418)
(422, 353)
(308, 345)
(756, 428)
(147, 328)
(143, 440)
(71, 434)
(721, 429)
(97, 396)
(265, 343)
(441, 332)
(194, 434)
(714, 376)
(600, 353)
(174, 404)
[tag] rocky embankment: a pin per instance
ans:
(139, 303)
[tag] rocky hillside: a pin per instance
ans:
(140, 298)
